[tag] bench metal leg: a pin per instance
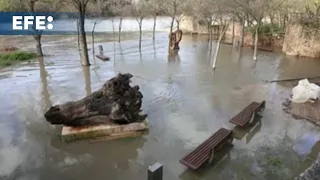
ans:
(155, 172)
(260, 112)
(252, 117)
(230, 140)
(211, 157)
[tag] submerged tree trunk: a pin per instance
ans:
(113, 31)
(171, 26)
(242, 33)
(154, 27)
(232, 38)
(83, 38)
(87, 78)
(38, 46)
(140, 33)
(178, 24)
(116, 101)
(208, 30)
(78, 31)
(120, 27)
(45, 93)
(37, 35)
(256, 43)
(218, 46)
(210, 37)
(92, 35)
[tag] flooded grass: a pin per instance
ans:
(10, 58)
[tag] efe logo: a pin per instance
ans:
(23, 22)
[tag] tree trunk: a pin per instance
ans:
(208, 30)
(92, 35)
(284, 21)
(140, 33)
(78, 31)
(256, 43)
(154, 27)
(116, 101)
(83, 38)
(45, 93)
(178, 24)
(113, 31)
(38, 46)
(232, 39)
(87, 78)
(120, 26)
(171, 26)
(218, 47)
(272, 23)
(242, 33)
(210, 37)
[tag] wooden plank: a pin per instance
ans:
(117, 136)
(198, 156)
(110, 129)
(244, 116)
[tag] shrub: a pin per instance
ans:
(7, 59)
(267, 29)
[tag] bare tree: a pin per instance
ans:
(140, 11)
(223, 29)
(121, 9)
(154, 9)
(239, 15)
(172, 8)
(92, 33)
(81, 6)
(34, 6)
(258, 9)
(206, 10)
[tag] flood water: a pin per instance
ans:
(185, 100)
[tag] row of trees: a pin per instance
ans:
(249, 13)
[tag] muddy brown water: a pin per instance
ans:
(185, 100)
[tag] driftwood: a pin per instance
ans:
(116, 101)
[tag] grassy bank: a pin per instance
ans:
(10, 58)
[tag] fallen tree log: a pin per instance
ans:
(116, 101)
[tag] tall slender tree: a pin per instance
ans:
(81, 6)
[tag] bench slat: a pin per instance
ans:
(198, 156)
(209, 142)
(244, 116)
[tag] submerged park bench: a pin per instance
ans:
(101, 55)
(248, 114)
(205, 151)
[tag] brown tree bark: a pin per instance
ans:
(140, 32)
(37, 37)
(83, 38)
(120, 27)
(116, 101)
(154, 27)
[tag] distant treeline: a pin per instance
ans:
(94, 9)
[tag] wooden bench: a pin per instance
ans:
(205, 151)
(248, 114)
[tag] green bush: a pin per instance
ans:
(267, 29)
(9, 58)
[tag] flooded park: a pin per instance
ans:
(186, 102)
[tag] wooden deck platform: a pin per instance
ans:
(247, 115)
(205, 151)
